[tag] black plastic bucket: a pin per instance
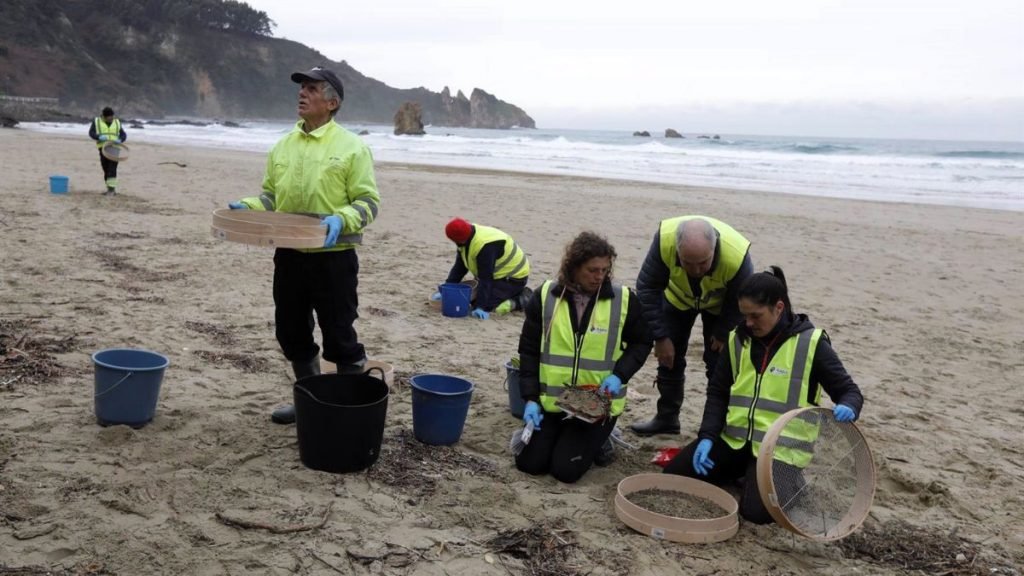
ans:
(339, 419)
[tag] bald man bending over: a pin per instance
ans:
(695, 266)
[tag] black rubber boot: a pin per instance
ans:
(358, 367)
(522, 299)
(286, 414)
(666, 421)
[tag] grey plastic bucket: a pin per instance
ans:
(516, 404)
(127, 385)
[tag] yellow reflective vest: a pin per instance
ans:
(112, 130)
(570, 359)
(328, 171)
(512, 263)
(732, 248)
(757, 400)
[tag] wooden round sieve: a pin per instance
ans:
(270, 229)
(685, 530)
(863, 476)
(114, 152)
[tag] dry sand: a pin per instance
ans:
(923, 304)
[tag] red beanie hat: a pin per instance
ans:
(458, 230)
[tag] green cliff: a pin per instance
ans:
(199, 58)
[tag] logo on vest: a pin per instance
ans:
(598, 330)
(776, 371)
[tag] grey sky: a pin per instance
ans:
(912, 68)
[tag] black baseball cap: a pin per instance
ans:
(320, 74)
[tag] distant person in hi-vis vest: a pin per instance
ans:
(581, 330)
(776, 361)
(497, 262)
(107, 128)
(694, 268)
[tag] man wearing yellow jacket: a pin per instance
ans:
(319, 168)
(694, 268)
(498, 263)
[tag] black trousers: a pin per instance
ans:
(504, 289)
(680, 324)
(321, 282)
(565, 448)
(109, 167)
(730, 466)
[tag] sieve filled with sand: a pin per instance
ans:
(676, 508)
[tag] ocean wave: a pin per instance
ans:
(819, 148)
(995, 154)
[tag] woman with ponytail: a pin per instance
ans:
(766, 359)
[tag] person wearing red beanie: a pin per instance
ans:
(499, 265)
(458, 230)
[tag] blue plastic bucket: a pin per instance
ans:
(127, 385)
(455, 299)
(439, 407)
(59, 184)
(516, 404)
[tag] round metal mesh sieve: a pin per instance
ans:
(822, 475)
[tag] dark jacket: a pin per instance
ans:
(827, 371)
(485, 260)
(653, 279)
(635, 338)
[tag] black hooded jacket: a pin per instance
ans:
(827, 371)
(636, 340)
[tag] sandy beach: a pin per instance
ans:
(923, 304)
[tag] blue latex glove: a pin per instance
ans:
(237, 206)
(480, 313)
(532, 413)
(104, 138)
(611, 385)
(701, 463)
(436, 296)
(334, 226)
(844, 413)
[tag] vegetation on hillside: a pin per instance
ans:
(207, 58)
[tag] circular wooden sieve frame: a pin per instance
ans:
(684, 530)
(112, 157)
(268, 229)
(862, 499)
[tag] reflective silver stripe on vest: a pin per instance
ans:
(515, 251)
(796, 377)
(737, 348)
(363, 219)
(758, 436)
(556, 391)
(570, 361)
(350, 239)
(507, 259)
(736, 432)
(795, 444)
(549, 313)
(613, 324)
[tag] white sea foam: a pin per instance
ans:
(987, 175)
